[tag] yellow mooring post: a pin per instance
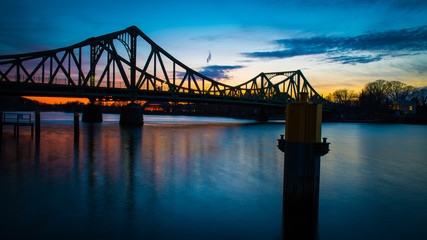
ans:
(303, 147)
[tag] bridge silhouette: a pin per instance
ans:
(127, 66)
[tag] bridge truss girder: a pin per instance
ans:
(127, 65)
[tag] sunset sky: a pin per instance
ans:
(336, 43)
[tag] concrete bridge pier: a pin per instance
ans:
(131, 115)
(261, 115)
(92, 113)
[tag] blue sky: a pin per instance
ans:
(336, 43)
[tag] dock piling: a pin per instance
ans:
(37, 118)
(76, 125)
(1, 125)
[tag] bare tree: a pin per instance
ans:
(420, 96)
(343, 96)
(400, 91)
(396, 88)
(376, 92)
(329, 97)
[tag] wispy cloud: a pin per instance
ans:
(419, 67)
(218, 72)
(356, 59)
(343, 49)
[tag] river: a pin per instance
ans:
(182, 177)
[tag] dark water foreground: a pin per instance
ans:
(204, 178)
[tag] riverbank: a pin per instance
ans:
(343, 114)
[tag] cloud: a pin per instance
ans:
(355, 59)
(210, 38)
(378, 44)
(218, 72)
(419, 66)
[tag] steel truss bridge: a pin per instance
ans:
(127, 65)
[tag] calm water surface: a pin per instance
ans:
(204, 178)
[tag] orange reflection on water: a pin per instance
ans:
(107, 154)
(164, 158)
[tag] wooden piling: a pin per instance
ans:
(1, 124)
(37, 118)
(76, 125)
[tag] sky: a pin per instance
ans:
(335, 43)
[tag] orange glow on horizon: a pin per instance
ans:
(58, 100)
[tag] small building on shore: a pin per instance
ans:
(404, 107)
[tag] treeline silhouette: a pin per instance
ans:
(380, 100)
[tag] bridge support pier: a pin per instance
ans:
(92, 113)
(131, 115)
(261, 115)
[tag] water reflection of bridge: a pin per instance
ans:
(127, 65)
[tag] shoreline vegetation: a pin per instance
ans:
(381, 101)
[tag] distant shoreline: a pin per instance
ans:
(415, 121)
